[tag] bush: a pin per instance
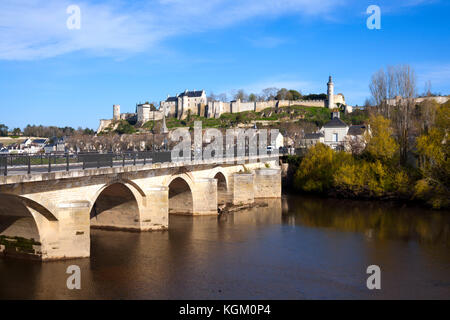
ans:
(432, 192)
(317, 168)
(125, 128)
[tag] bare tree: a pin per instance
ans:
(212, 97)
(240, 95)
(378, 88)
(270, 93)
(394, 93)
(354, 144)
(403, 114)
(222, 97)
(428, 92)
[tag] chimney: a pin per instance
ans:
(335, 114)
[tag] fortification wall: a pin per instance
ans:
(439, 100)
(261, 105)
(305, 103)
(246, 106)
(104, 124)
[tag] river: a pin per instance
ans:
(295, 248)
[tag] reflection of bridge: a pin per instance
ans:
(48, 215)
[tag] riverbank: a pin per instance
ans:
(341, 174)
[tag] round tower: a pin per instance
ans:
(330, 93)
(116, 112)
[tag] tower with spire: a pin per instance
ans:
(330, 93)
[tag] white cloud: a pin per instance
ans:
(36, 29)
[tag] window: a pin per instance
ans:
(335, 137)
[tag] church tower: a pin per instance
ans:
(330, 93)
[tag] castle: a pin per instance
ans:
(196, 103)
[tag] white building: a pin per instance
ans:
(183, 103)
(279, 141)
(334, 131)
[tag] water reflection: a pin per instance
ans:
(378, 220)
(293, 248)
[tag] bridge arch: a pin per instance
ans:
(24, 226)
(222, 187)
(117, 205)
(181, 198)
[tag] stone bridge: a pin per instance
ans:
(48, 216)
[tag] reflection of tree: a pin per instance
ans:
(382, 220)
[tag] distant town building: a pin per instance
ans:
(337, 135)
(311, 139)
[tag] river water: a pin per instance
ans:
(294, 248)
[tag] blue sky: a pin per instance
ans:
(134, 51)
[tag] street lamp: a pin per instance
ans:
(164, 129)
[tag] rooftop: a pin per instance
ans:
(189, 94)
(356, 130)
(335, 123)
(313, 135)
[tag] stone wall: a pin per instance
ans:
(267, 183)
(243, 188)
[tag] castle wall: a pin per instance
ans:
(246, 106)
(261, 105)
(304, 103)
(104, 124)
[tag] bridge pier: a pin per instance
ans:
(267, 183)
(72, 239)
(154, 212)
(243, 188)
(205, 197)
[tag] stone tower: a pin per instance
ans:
(116, 112)
(330, 93)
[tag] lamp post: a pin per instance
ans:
(164, 129)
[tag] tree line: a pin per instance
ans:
(44, 131)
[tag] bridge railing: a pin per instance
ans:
(14, 164)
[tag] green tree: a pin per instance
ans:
(125, 128)
(295, 95)
(3, 130)
(380, 143)
(434, 154)
(283, 94)
(17, 132)
(317, 168)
